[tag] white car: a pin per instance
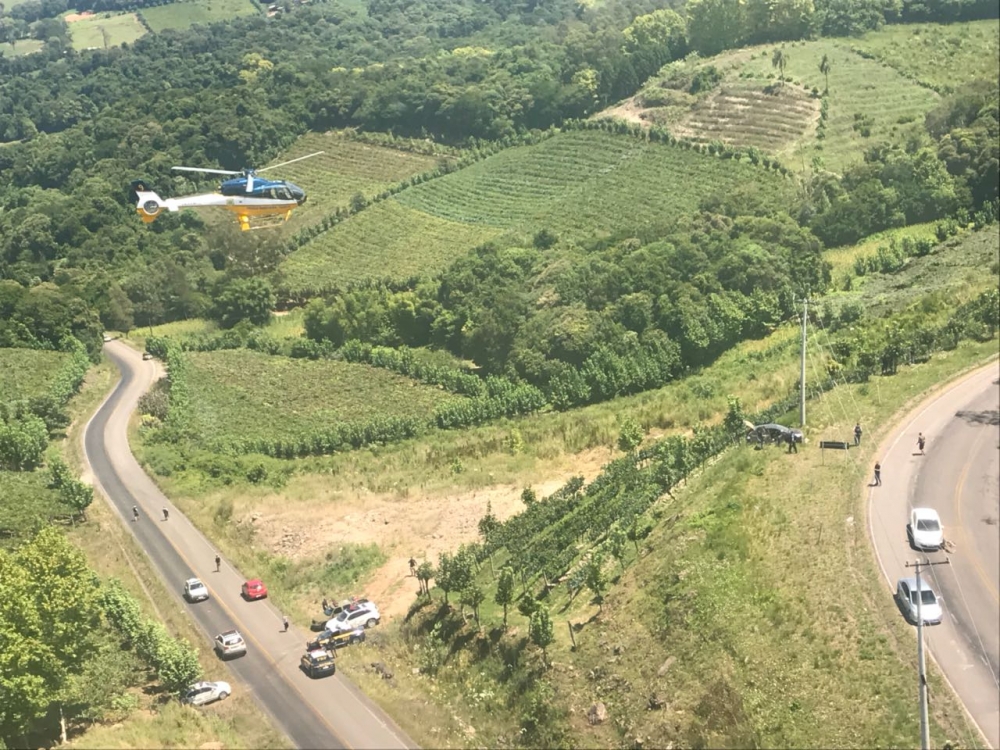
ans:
(930, 605)
(354, 615)
(230, 643)
(202, 693)
(195, 590)
(925, 530)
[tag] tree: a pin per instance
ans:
(22, 443)
(541, 630)
(597, 582)
(473, 596)
(454, 572)
(488, 526)
(617, 544)
(244, 299)
(824, 68)
(505, 590)
(425, 572)
(715, 25)
(779, 60)
(735, 421)
(630, 436)
(662, 31)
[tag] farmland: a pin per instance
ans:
(105, 30)
(182, 15)
(347, 167)
(582, 185)
(387, 240)
(944, 57)
(247, 395)
(23, 47)
(25, 373)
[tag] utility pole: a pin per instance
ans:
(925, 735)
(802, 367)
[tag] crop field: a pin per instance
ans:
(184, 14)
(387, 240)
(105, 30)
(581, 185)
(25, 373)
(26, 498)
(246, 395)
(347, 167)
(865, 97)
(944, 57)
(742, 113)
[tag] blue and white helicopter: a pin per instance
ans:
(266, 202)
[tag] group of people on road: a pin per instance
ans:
(877, 481)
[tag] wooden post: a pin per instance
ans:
(572, 637)
(493, 571)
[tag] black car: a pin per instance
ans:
(328, 640)
(773, 433)
(318, 663)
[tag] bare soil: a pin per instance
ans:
(403, 525)
(72, 17)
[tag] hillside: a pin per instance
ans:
(581, 185)
(25, 373)
(878, 85)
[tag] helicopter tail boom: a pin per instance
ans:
(149, 205)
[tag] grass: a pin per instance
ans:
(184, 14)
(582, 185)
(941, 56)
(346, 168)
(112, 551)
(23, 47)
(25, 373)
(105, 30)
(387, 240)
(244, 395)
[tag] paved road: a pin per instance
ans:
(959, 476)
(325, 713)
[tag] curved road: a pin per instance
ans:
(959, 476)
(325, 713)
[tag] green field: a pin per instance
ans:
(242, 394)
(347, 167)
(25, 500)
(23, 47)
(105, 30)
(582, 185)
(944, 57)
(185, 14)
(25, 373)
(387, 240)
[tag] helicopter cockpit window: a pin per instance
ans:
(282, 193)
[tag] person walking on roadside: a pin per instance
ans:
(792, 447)
(921, 442)
(857, 434)
(166, 514)
(284, 619)
(413, 567)
(218, 563)
(135, 513)
(878, 474)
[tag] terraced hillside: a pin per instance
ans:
(582, 185)
(25, 373)
(245, 395)
(346, 167)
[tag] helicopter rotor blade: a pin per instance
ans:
(250, 182)
(206, 171)
(291, 161)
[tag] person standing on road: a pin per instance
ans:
(413, 567)
(218, 563)
(166, 514)
(921, 442)
(284, 619)
(878, 474)
(135, 513)
(857, 434)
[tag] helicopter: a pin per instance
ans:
(267, 202)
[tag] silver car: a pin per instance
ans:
(195, 590)
(925, 530)
(229, 644)
(930, 605)
(202, 693)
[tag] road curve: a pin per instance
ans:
(325, 713)
(959, 476)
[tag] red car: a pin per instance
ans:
(254, 589)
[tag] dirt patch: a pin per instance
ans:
(629, 110)
(403, 526)
(73, 17)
